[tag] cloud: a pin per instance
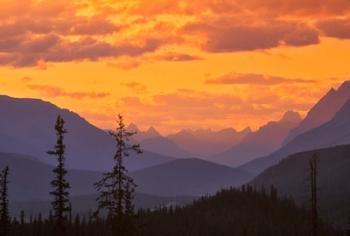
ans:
(129, 63)
(266, 7)
(225, 36)
(74, 30)
(337, 28)
(254, 79)
(177, 57)
(28, 51)
(52, 91)
(135, 86)
(125, 63)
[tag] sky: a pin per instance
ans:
(175, 64)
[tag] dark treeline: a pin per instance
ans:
(239, 212)
(244, 212)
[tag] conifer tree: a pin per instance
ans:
(129, 196)
(313, 186)
(116, 187)
(60, 204)
(4, 208)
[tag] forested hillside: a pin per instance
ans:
(243, 212)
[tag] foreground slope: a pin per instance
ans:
(291, 177)
(232, 212)
(85, 204)
(188, 177)
(26, 126)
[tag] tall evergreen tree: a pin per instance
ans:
(116, 187)
(4, 208)
(313, 187)
(60, 203)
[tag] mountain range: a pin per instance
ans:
(265, 140)
(323, 110)
(200, 143)
(27, 127)
(152, 140)
(204, 143)
(332, 133)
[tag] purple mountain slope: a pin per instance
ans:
(26, 127)
(261, 142)
(323, 111)
(206, 143)
(334, 132)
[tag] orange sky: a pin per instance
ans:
(175, 64)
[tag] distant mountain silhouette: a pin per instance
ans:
(206, 143)
(153, 141)
(265, 140)
(291, 176)
(323, 110)
(335, 132)
(164, 146)
(188, 177)
(140, 136)
(26, 126)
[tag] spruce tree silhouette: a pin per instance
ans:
(60, 204)
(313, 187)
(116, 188)
(4, 208)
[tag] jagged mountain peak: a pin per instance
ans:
(291, 116)
(133, 127)
(153, 132)
(344, 87)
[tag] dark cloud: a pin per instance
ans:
(254, 79)
(221, 36)
(28, 51)
(337, 28)
(57, 31)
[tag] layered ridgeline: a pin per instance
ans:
(188, 177)
(177, 182)
(291, 177)
(152, 140)
(205, 143)
(323, 110)
(26, 127)
(265, 140)
(334, 132)
(29, 188)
